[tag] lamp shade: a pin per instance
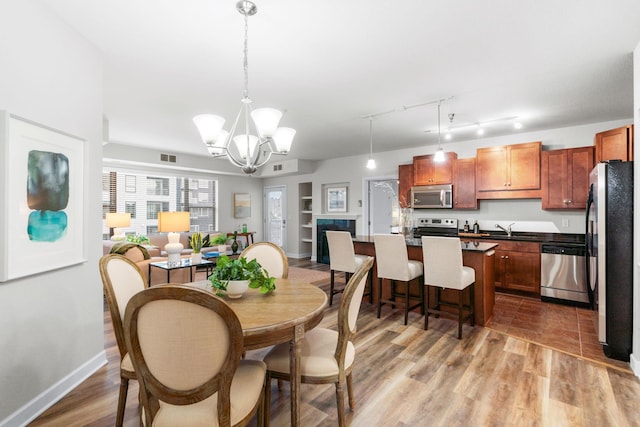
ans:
(218, 146)
(173, 221)
(118, 219)
(283, 139)
(266, 120)
(209, 126)
(241, 144)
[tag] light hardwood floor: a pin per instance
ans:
(405, 376)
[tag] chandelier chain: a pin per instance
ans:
(246, 56)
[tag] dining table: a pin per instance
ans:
(280, 316)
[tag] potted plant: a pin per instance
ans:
(220, 240)
(196, 244)
(250, 273)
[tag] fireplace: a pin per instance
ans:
(322, 225)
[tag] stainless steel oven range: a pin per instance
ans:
(435, 227)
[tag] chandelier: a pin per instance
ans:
(247, 150)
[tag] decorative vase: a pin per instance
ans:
(234, 245)
(196, 258)
(235, 288)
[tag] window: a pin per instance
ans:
(154, 207)
(131, 208)
(156, 193)
(157, 186)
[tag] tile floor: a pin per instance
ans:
(565, 328)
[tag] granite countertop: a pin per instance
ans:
(466, 246)
(551, 238)
(564, 238)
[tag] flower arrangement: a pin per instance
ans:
(240, 269)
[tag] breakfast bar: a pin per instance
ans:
(477, 255)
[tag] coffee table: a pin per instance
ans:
(184, 263)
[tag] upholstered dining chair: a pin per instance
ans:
(270, 256)
(394, 264)
(327, 356)
(185, 344)
(343, 258)
(121, 279)
(443, 269)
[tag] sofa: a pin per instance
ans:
(157, 242)
(141, 257)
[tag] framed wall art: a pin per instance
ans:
(336, 198)
(41, 209)
(241, 205)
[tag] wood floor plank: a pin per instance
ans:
(405, 376)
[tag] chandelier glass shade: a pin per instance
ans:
(258, 136)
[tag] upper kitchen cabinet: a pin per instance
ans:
(428, 172)
(565, 177)
(405, 182)
(464, 184)
(509, 171)
(615, 144)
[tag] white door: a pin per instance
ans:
(275, 215)
(383, 206)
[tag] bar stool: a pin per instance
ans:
(443, 269)
(343, 258)
(394, 264)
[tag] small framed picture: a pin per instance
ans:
(241, 205)
(336, 199)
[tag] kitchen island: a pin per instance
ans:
(477, 255)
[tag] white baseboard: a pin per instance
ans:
(635, 365)
(53, 394)
(298, 255)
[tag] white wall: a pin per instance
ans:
(635, 353)
(52, 323)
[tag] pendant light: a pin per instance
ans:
(248, 151)
(371, 163)
(439, 156)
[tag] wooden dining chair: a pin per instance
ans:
(342, 258)
(327, 356)
(121, 279)
(394, 264)
(270, 256)
(443, 269)
(186, 344)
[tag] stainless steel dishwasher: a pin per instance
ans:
(563, 274)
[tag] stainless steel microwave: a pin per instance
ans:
(432, 197)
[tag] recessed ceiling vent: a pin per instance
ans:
(167, 158)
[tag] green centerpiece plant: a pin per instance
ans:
(228, 269)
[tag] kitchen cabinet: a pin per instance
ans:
(565, 177)
(615, 144)
(428, 172)
(517, 266)
(405, 182)
(464, 184)
(509, 171)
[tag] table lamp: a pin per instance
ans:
(173, 223)
(117, 222)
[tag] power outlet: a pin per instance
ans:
(565, 222)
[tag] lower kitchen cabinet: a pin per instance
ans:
(517, 266)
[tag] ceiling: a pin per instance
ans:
(332, 63)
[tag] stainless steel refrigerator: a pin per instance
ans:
(609, 245)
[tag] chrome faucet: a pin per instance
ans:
(506, 230)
